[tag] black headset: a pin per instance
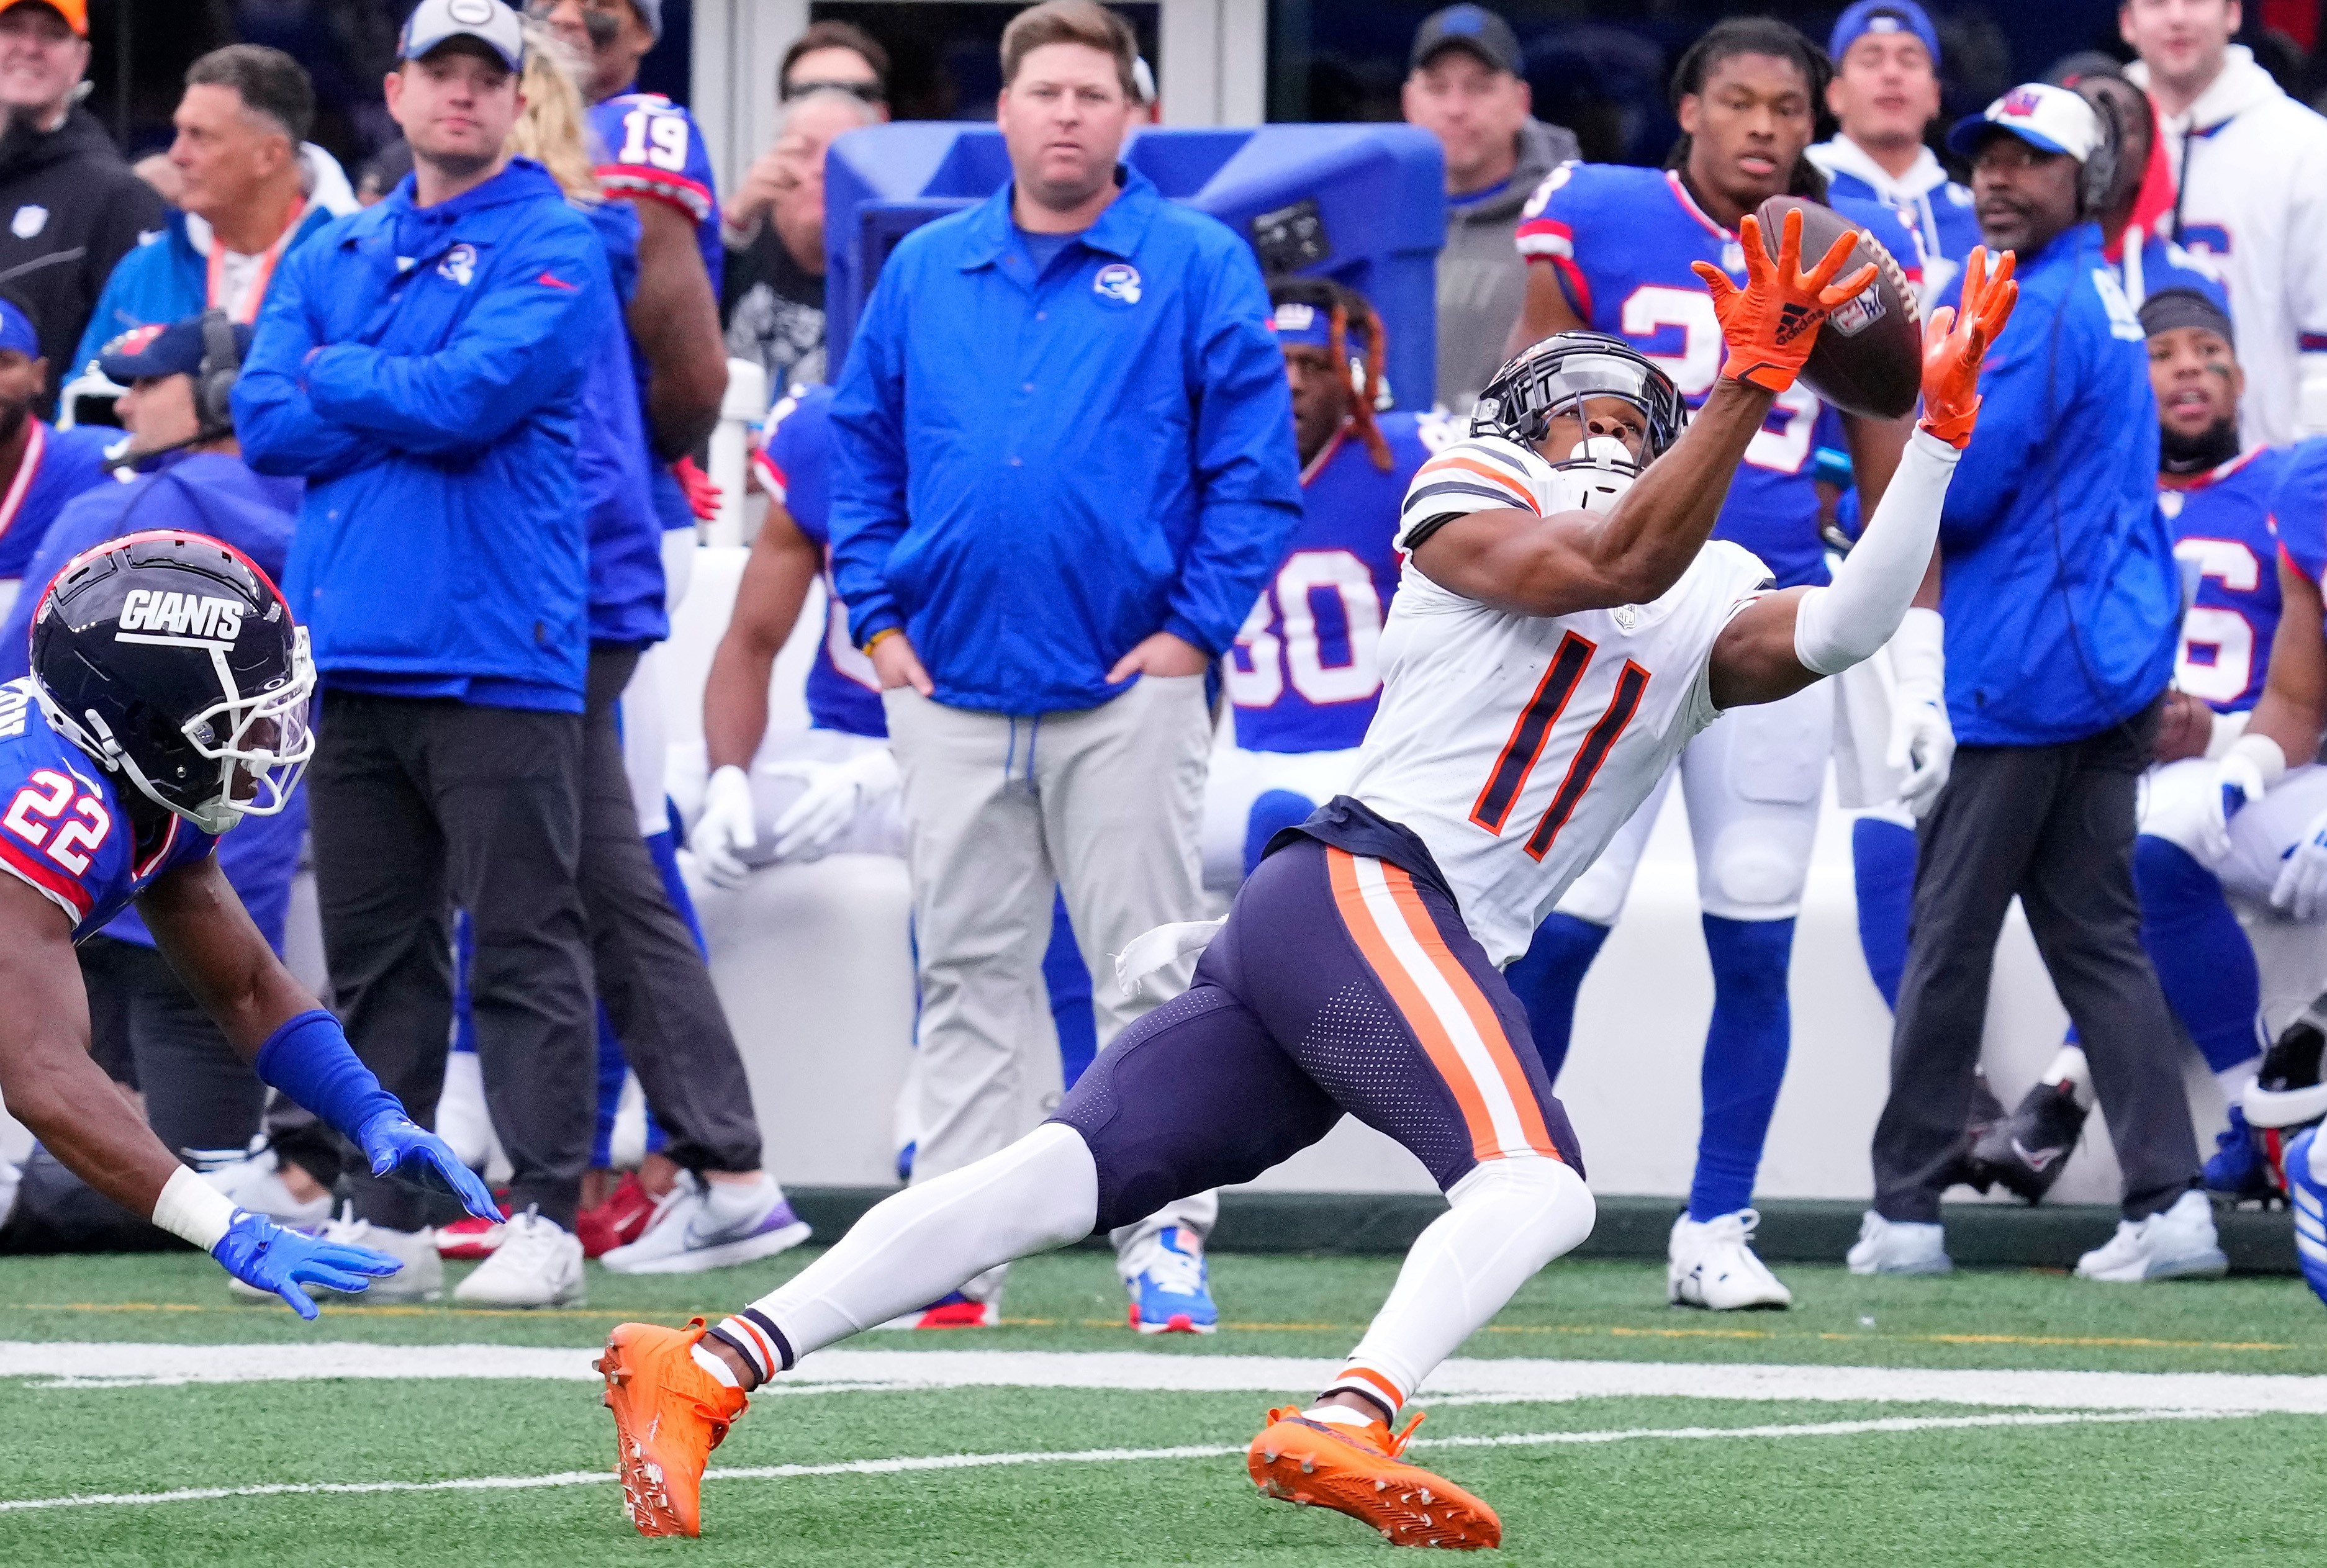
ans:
(214, 382)
(2098, 177)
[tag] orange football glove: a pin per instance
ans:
(1955, 342)
(1773, 321)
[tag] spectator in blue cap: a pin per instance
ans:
(41, 467)
(1884, 96)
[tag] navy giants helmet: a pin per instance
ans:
(171, 660)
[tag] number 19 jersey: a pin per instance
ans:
(1515, 746)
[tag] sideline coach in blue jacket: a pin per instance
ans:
(421, 364)
(1064, 466)
(2063, 606)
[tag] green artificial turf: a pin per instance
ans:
(2146, 1491)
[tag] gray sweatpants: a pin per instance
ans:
(1104, 803)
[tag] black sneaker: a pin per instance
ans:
(1986, 1110)
(2028, 1150)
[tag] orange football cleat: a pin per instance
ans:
(669, 1413)
(1357, 1471)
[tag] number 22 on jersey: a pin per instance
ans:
(53, 813)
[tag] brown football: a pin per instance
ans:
(1869, 355)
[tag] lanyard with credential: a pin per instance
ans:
(214, 282)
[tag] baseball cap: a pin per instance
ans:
(1883, 16)
(1471, 27)
(74, 12)
(174, 348)
(2051, 119)
(489, 22)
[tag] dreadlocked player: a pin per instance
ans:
(1561, 630)
(1305, 672)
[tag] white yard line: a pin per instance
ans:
(86, 1366)
(954, 1461)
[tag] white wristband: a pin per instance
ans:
(191, 1209)
(2269, 760)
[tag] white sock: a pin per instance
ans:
(714, 1366)
(2234, 1080)
(1339, 1415)
(1508, 1219)
(2070, 1068)
(1039, 1194)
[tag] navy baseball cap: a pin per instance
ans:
(1883, 16)
(489, 22)
(158, 349)
(1471, 27)
(2051, 119)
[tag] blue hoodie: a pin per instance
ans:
(2062, 603)
(422, 369)
(165, 281)
(211, 493)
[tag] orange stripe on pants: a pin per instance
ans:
(1480, 1012)
(1358, 918)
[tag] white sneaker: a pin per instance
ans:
(537, 1265)
(255, 1181)
(1899, 1246)
(2174, 1244)
(1713, 1265)
(716, 1225)
(421, 1279)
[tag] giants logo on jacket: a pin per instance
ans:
(190, 615)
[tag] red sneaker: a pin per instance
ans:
(618, 1221)
(471, 1239)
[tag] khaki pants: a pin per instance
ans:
(1104, 803)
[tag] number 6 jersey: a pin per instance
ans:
(1515, 746)
(65, 832)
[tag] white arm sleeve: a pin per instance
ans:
(1842, 625)
(2310, 393)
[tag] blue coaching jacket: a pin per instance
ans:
(1031, 474)
(422, 368)
(2061, 598)
(165, 281)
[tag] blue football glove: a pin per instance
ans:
(258, 1252)
(2306, 1183)
(391, 1139)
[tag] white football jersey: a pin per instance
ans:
(1515, 746)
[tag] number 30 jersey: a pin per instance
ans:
(1306, 667)
(64, 832)
(1515, 746)
(1620, 241)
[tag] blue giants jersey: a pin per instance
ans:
(795, 464)
(1305, 671)
(2221, 534)
(1620, 241)
(64, 832)
(58, 465)
(2299, 510)
(651, 146)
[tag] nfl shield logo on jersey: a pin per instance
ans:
(1118, 282)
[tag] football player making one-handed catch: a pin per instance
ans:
(1563, 630)
(167, 700)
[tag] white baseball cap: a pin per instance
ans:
(489, 22)
(2051, 119)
